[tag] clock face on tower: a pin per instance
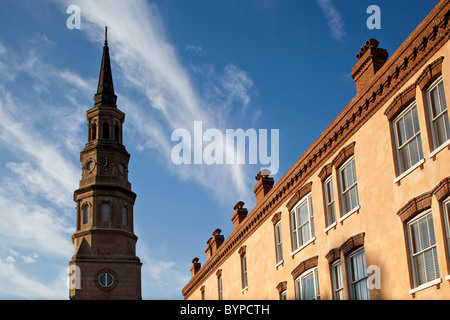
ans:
(106, 164)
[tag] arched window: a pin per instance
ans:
(124, 216)
(106, 130)
(106, 212)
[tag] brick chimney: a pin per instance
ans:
(214, 243)
(195, 267)
(263, 186)
(239, 214)
(370, 60)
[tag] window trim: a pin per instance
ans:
(244, 278)
(341, 191)
(432, 122)
(298, 283)
(413, 268)
(329, 203)
(219, 287)
(333, 267)
(278, 245)
(398, 147)
(293, 218)
(351, 283)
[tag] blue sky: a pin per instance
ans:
(252, 64)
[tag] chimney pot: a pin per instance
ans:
(370, 60)
(239, 214)
(195, 267)
(263, 186)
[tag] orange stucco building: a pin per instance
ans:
(363, 214)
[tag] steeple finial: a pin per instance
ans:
(105, 91)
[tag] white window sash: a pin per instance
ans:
(433, 118)
(299, 237)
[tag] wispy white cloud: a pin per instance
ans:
(194, 48)
(333, 18)
(18, 284)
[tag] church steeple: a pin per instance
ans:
(104, 264)
(105, 90)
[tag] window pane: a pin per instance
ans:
(401, 135)
(441, 129)
(416, 121)
(429, 263)
(85, 214)
(442, 96)
(409, 127)
(424, 238)
(447, 124)
(106, 212)
(405, 158)
(435, 107)
(414, 151)
(415, 238)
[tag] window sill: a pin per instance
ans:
(304, 245)
(348, 214)
(280, 263)
(440, 148)
(404, 174)
(331, 226)
(425, 285)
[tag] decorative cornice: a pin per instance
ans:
(325, 172)
(352, 243)
(430, 73)
(442, 190)
(401, 101)
(276, 218)
(305, 265)
(344, 154)
(333, 255)
(415, 206)
(282, 286)
(420, 203)
(409, 58)
(303, 191)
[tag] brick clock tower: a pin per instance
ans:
(104, 264)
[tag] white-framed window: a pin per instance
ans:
(106, 212)
(329, 201)
(438, 113)
(244, 271)
(302, 223)
(422, 249)
(358, 275)
(408, 142)
(278, 242)
(307, 285)
(348, 186)
(283, 295)
(336, 278)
